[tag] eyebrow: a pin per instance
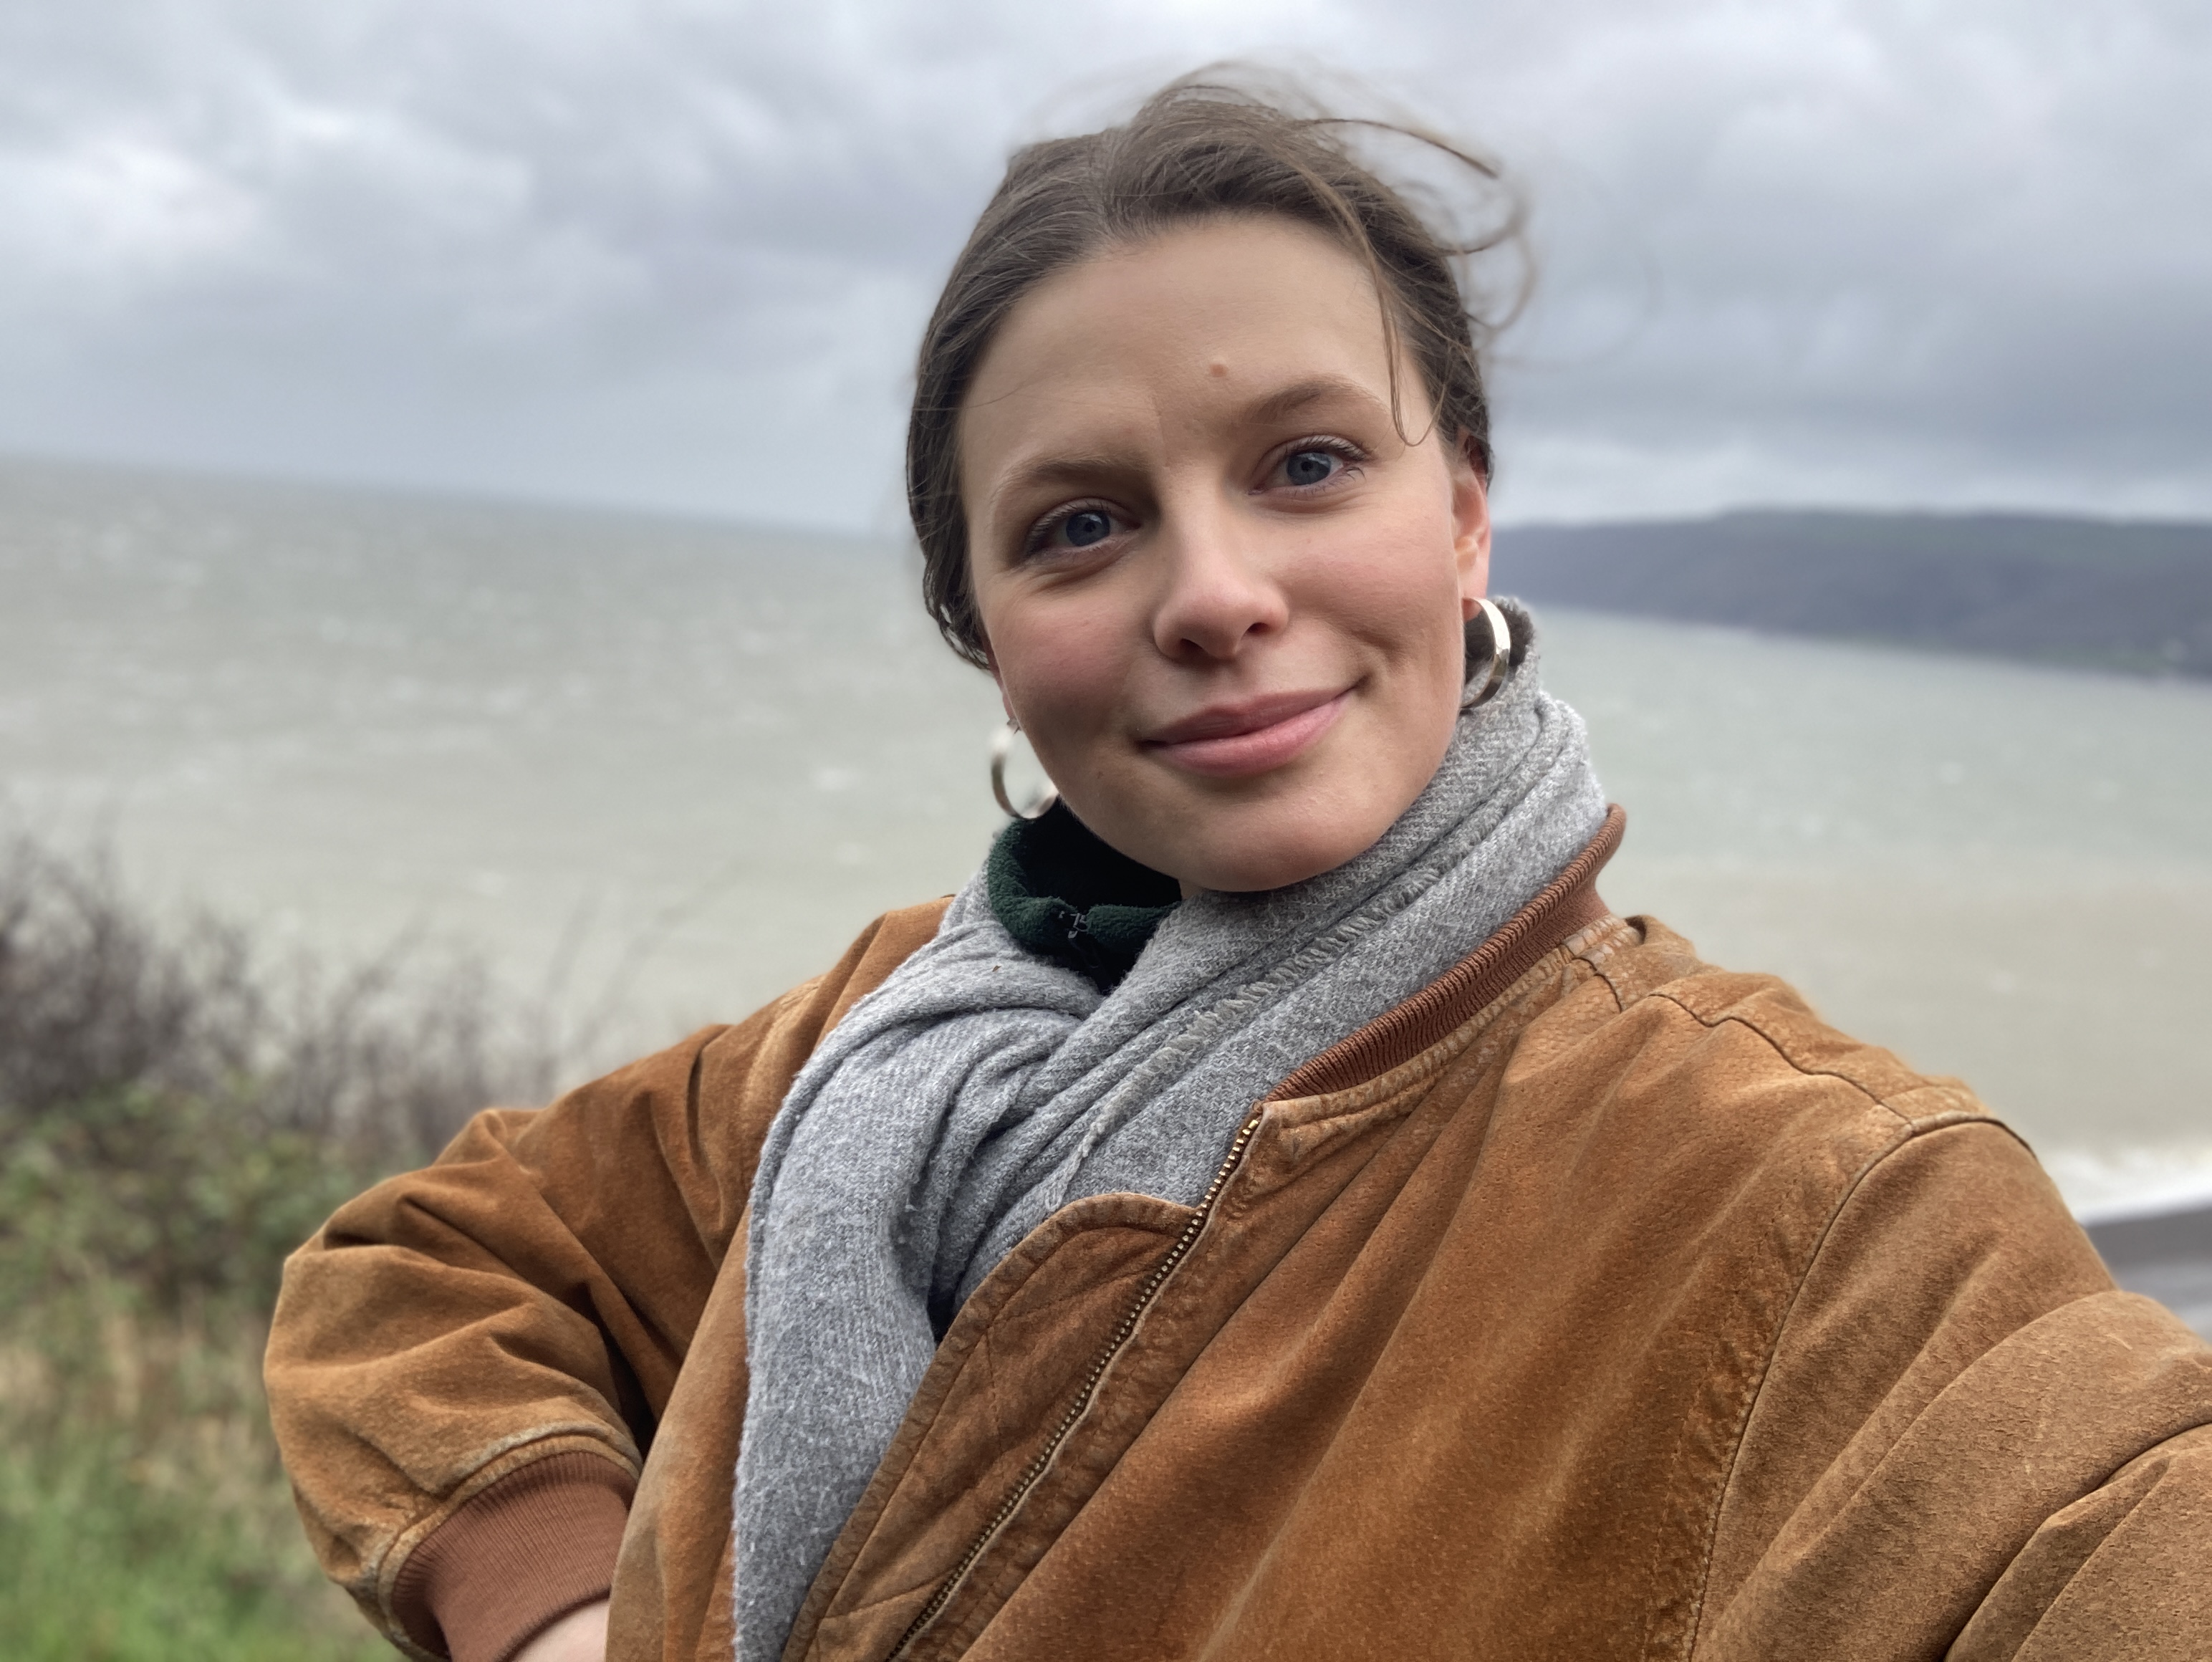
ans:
(1275, 406)
(1056, 470)
(1314, 389)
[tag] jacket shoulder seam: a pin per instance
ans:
(1608, 944)
(1885, 1100)
(1904, 1136)
(1904, 1128)
(1910, 1131)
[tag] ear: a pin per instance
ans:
(1470, 509)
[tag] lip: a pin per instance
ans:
(1228, 741)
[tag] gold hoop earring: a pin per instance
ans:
(1002, 746)
(1501, 656)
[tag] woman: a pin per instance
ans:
(1274, 1208)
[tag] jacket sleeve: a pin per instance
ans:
(1967, 1443)
(467, 1362)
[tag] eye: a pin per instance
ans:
(1086, 526)
(1315, 465)
(1075, 529)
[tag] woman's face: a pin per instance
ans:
(1223, 596)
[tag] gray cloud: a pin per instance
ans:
(676, 253)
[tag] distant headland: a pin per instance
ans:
(2127, 594)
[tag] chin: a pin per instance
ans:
(1257, 858)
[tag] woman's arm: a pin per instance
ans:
(1966, 1440)
(467, 1362)
(579, 1636)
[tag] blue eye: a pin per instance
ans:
(1085, 527)
(1311, 466)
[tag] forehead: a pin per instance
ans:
(1180, 330)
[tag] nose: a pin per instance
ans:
(1216, 595)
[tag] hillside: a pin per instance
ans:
(2123, 594)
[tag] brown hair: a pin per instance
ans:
(1197, 150)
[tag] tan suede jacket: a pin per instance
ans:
(1594, 1303)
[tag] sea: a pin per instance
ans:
(652, 771)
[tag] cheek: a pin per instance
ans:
(1397, 584)
(1061, 669)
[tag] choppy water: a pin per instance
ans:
(668, 769)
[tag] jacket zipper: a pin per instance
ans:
(1123, 1334)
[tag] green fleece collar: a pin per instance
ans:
(1065, 895)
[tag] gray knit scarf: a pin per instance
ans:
(981, 1088)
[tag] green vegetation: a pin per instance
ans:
(142, 1513)
(170, 1127)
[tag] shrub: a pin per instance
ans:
(175, 1117)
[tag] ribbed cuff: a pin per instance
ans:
(538, 1544)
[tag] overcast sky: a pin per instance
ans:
(675, 253)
